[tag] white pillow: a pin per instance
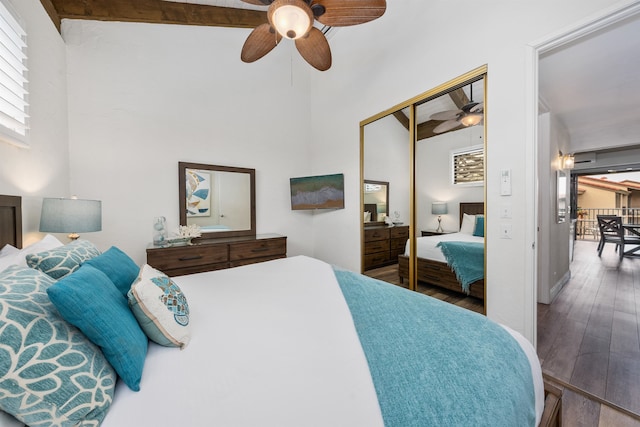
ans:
(160, 307)
(47, 243)
(468, 224)
(8, 250)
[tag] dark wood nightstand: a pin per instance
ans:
(434, 232)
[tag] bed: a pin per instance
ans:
(298, 342)
(435, 270)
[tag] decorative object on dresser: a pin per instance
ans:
(382, 245)
(217, 254)
(439, 208)
(71, 216)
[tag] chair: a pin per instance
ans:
(612, 231)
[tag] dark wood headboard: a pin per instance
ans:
(471, 208)
(11, 221)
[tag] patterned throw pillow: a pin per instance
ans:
(160, 308)
(89, 300)
(50, 373)
(62, 261)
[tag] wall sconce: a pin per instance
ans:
(567, 161)
(439, 208)
(70, 216)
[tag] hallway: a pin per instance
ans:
(589, 337)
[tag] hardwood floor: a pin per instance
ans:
(390, 274)
(589, 339)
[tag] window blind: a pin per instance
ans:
(468, 166)
(14, 94)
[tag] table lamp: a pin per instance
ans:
(439, 208)
(70, 216)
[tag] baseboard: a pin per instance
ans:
(555, 290)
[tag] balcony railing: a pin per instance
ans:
(587, 223)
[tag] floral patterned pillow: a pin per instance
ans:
(64, 260)
(50, 373)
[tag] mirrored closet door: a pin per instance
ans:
(431, 151)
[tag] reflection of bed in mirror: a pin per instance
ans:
(436, 271)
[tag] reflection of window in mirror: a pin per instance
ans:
(561, 206)
(467, 166)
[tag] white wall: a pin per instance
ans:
(43, 169)
(143, 97)
(415, 47)
(553, 246)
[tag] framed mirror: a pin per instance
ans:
(376, 202)
(221, 200)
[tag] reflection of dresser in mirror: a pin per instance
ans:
(383, 244)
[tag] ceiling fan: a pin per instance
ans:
(293, 19)
(469, 114)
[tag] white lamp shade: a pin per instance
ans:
(291, 18)
(439, 208)
(70, 216)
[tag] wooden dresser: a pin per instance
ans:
(383, 244)
(217, 254)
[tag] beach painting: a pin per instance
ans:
(317, 192)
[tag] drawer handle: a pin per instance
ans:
(190, 258)
(259, 249)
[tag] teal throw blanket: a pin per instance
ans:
(466, 259)
(436, 364)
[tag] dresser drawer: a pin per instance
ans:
(374, 234)
(376, 260)
(376, 246)
(399, 232)
(261, 248)
(187, 256)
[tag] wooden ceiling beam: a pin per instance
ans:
(157, 12)
(52, 12)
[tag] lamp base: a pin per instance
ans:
(73, 236)
(439, 229)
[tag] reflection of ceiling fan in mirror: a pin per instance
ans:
(469, 114)
(293, 19)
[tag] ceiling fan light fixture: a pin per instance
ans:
(471, 119)
(291, 18)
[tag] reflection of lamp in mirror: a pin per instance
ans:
(71, 216)
(439, 208)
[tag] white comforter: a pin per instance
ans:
(273, 344)
(426, 245)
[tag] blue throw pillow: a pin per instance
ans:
(117, 265)
(89, 300)
(479, 229)
(63, 260)
(50, 373)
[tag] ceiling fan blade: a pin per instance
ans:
(445, 126)
(314, 48)
(342, 13)
(446, 115)
(477, 108)
(259, 2)
(260, 42)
